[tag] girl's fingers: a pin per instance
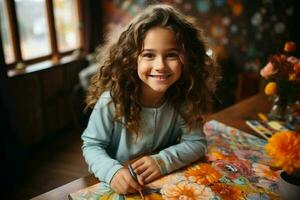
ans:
(146, 173)
(141, 180)
(151, 177)
(124, 183)
(137, 163)
(118, 189)
(127, 185)
(134, 185)
(140, 169)
(122, 186)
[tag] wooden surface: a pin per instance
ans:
(63, 191)
(234, 116)
(44, 102)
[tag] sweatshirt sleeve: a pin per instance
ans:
(96, 139)
(192, 146)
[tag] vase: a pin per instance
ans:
(279, 108)
(289, 186)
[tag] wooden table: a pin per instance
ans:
(234, 116)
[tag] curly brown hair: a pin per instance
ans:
(191, 95)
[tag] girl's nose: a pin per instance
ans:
(159, 63)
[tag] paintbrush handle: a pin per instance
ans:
(133, 174)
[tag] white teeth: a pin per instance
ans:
(160, 76)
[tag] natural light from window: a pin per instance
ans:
(6, 34)
(66, 24)
(33, 27)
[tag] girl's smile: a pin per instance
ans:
(159, 64)
(160, 77)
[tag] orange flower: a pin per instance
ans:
(284, 148)
(292, 59)
(297, 67)
(290, 46)
(292, 77)
(226, 191)
(284, 69)
(267, 70)
(271, 88)
(203, 174)
(185, 190)
(237, 9)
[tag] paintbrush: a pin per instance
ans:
(134, 176)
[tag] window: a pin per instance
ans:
(34, 36)
(37, 30)
(66, 24)
(6, 34)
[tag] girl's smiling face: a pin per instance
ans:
(160, 62)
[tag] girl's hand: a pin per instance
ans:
(123, 183)
(147, 169)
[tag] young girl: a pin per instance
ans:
(148, 101)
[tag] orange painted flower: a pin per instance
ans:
(271, 88)
(284, 148)
(185, 190)
(158, 183)
(290, 46)
(226, 191)
(152, 196)
(217, 155)
(203, 174)
(265, 171)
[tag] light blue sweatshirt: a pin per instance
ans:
(165, 137)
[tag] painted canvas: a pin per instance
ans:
(235, 167)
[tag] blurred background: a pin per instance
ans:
(48, 53)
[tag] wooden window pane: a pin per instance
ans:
(66, 24)
(32, 23)
(6, 34)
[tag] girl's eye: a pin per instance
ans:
(172, 55)
(148, 55)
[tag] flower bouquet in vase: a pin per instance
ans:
(284, 149)
(282, 73)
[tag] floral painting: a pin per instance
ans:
(235, 167)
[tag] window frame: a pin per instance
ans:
(55, 54)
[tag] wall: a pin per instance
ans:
(247, 30)
(43, 101)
